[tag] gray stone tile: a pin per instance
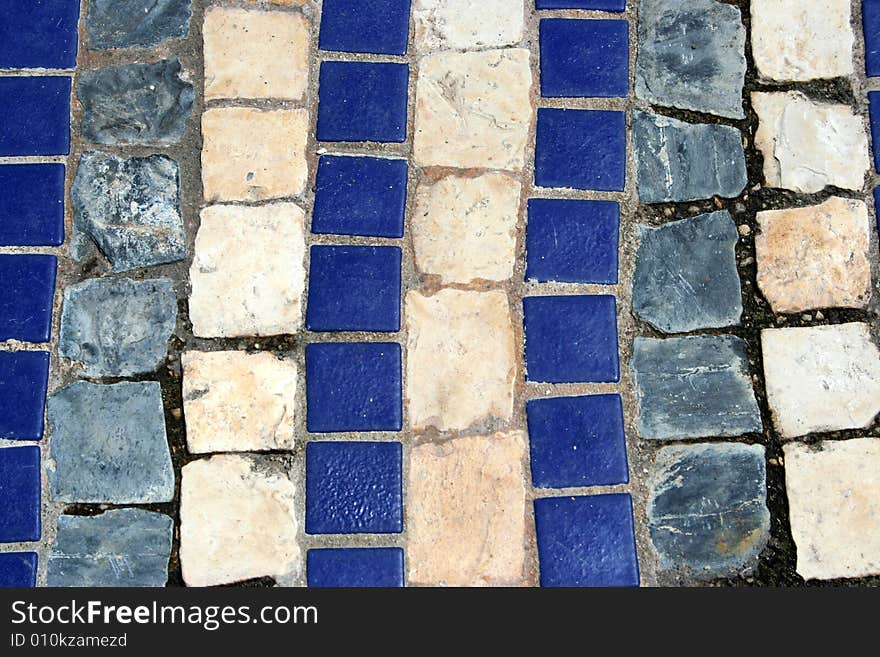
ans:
(132, 23)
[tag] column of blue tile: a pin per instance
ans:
(578, 441)
(871, 26)
(355, 487)
(34, 123)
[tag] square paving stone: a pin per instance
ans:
(355, 567)
(26, 296)
(39, 34)
(24, 376)
(34, 115)
(584, 58)
(360, 196)
(133, 23)
(18, 569)
(577, 441)
(586, 541)
(32, 204)
(464, 25)
(571, 339)
(581, 149)
(353, 488)
(572, 241)
(369, 26)
(362, 101)
(20, 494)
(354, 288)
(871, 24)
(353, 387)
(600, 5)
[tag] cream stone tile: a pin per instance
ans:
(464, 24)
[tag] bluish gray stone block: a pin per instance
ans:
(132, 23)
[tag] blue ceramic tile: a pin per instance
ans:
(362, 101)
(584, 58)
(353, 488)
(874, 106)
(581, 149)
(32, 205)
(34, 115)
(601, 5)
(373, 26)
(360, 196)
(571, 339)
(26, 296)
(40, 34)
(18, 569)
(24, 376)
(871, 24)
(354, 288)
(19, 494)
(362, 567)
(877, 206)
(577, 441)
(353, 387)
(586, 541)
(572, 241)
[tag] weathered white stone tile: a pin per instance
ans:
(464, 24)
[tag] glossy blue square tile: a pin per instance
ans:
(371, 26)
(32, 205)
(34, 115)
(19, 494)
(24, 377)
(354, 386)
(26, 296)
(353, 488)
(18, 569)
(41, 34)
(354, 288)
(600, 5)
(871, 26)
(572, 241)
(577, 441)
(874, 107)
(362, 101)
(360, 196)
(586, 541)
(581, 149)
(571, 339)
(584, 58)
(361, 567)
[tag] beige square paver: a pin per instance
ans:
(464, 24)
(466, 511)
(252, 155)
(247, 274)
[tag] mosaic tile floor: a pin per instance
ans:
(439, 292)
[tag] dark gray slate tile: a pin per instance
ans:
(129, 209)
(678, 161)
(123, 547)
(135, 103)
(707, 510)
(692, 56)
(117, 326)
(132, 23)
(685, 277)
(693, 387)
(109, 444)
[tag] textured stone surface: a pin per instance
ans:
(135, 103)
(678, 161)
(464, 228)
(122, 547)
(809, 145)
(109, 445)
(460, 358)
(473, 109)
(129, 209)
(707, 509)
(462, 24)
(692, 56)
(132, 23)
(466, 511)
(815, 257)
(248, 274)
(238, 402)
(255, 54)
(693, 387)
(117, 326)
(821, 378)
(685, 277)
(795, 41)
(237, 521)
(834, 502)
(252, 155)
